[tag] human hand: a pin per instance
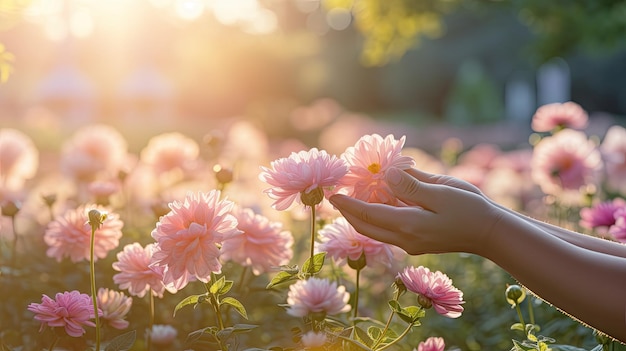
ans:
(444, 214)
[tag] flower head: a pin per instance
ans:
(312, 339)
(19, 158)
(613, 150)
(70, 234)
(601, 216)
(162, 334)
(115, 306)
(71, 310)
(316, 295)
(170, 151)
(432, 344)
(368, 161)
(263, 245)
(434, 288)
(136, 274)
(557, 116)
(305, 173)
(618, 230)
(342, 242)
(189, 237)
(565, 161)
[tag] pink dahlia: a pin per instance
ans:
(316, 295)
(342, 242)
(313, 339)
(557, 116)
(618, 230)
(189, 237)
(301, 174)
(136, 274)
(433, 288)
(613, 150)
(19, 158)
(170, 151)
(566, 161)
(70, 234)
(94, 151)
(432, 344)
(263, 245)
(368, 161)
(115, 306)
(71, 310)
(601, 216)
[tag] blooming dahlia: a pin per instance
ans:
(316, 295)
(433, 288)
(601, 216)
(71, 310)
(557, 116)
(432, 344)
(613, 150)
(310, 174)
(115, 306)
(189, 237)
(136, 274)
(368, 161)
(19, 158)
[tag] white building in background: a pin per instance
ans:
(553, 82)
(146, 95)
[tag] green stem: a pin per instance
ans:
(14, 247)
(54, 342)
(93, 287)
(519, 314)
(150, 322)
(382, 335)
(531, 313)
(356, 296)
(242, 278)
(312, 248)
(404, 333)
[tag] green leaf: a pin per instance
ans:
(196, 335)
(518, 346)
(374, 332)
(228, 284)
(189, 300)
(315, 265)
(518, 326)
(363, 337)
(236, 304)
(531, 337)
(122, 342)
(281, 277)
(217, 285)
(226, 333)
(395, 306)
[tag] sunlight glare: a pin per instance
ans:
(189, 9)
(81, 23)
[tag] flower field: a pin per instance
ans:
(224, 239)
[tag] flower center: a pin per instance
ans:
(374, 168)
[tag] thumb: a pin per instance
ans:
(411, 190)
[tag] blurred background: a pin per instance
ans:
(444, 67)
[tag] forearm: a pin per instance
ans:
(562, 273)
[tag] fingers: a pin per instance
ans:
(378, 215)
(411, 190)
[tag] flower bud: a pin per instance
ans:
(49, 199)
(515, 295)
(318, 316)
(359, 263)
(313, 197)
(425, 302)
(96, 218)
(11, 208)
(223, 175)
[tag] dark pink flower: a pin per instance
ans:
(71, 310)
(557, 116)
(70, 234)
(263, 245)
(301, 173)
(136, 275)
(368, 161)
(115, 306)
(436, 288)
(342, 242)
(432, 344)
(618, 230)
(601, 215)
(189, 238)
(316, 295)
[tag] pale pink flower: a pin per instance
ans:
(552, 117)
(19, 158)
(601, 216)
(618, 230)
(136, 274)
(613, 150)
(162, 334)
(263, 245)
(170, 151)
(316, 295)
(566, 161)
(115, 306)
(69, 235)
(368, 161)
(432, 344)
(94, 151)
(342, 242)
(71, 310)
(301, 173)
(189, 237)
(312, 339)
(481, 155)
(436, 288)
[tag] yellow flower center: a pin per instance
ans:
(374, 168)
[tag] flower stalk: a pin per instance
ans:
(96, 218)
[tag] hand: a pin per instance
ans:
(445, 214)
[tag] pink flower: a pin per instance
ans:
(313, 339)
(602, 215)
(70, 235)
(263, 245)
(136, 275)
(435, 288)
(368, 161)
(316, 295)
(300, 174)
(342, 242)
(432, 344)
(558, 116)
(115, 306)
(162, 334)
(170, 151)
(566, 161)
(94, 151)
(71, 310)
(19, 158)
(618, 230)
(613, 150)
(190, 235)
